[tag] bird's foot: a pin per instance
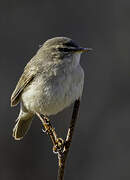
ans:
(59, 145)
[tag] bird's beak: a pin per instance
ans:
(81, 49)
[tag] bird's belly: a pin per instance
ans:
(52, 96)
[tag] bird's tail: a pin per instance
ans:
(22, 126)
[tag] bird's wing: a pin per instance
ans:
(25, 79)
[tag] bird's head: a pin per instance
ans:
(62, 48)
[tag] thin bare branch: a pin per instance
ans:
(59, 146)
(63, 157)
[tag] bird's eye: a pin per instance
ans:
(64, 49)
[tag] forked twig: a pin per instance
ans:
(63, 157)
(60, 147)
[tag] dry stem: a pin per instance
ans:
(62, 148)
(63, 157)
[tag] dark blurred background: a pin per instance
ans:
(101, 143)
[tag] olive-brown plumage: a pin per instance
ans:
(51, 81)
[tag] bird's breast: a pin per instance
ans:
(50, 93)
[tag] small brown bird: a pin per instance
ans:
(52, 80)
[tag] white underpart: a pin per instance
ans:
(56, 89)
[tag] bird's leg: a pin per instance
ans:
(58, 143)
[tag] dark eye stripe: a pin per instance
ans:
(65, 49)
